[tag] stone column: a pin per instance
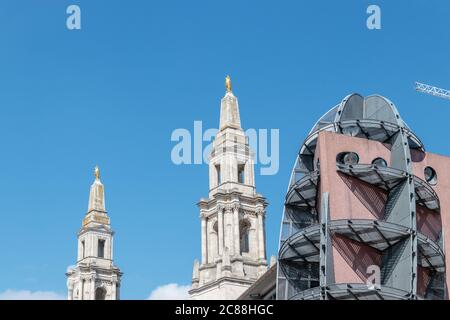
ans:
(111, 250)
(251, 172)
(212, 175)
(220, 229)
(228, 229)
(92, 288)
(245, 181)
(237, 246)
(82, 294)
(218, 270)
(80, 250)
(204, 241)
(92, 246)
(195, 275)
(70, 293)
(113, 291)
(226, 264)
(261, 246)
(253, 241)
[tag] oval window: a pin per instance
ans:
(430, 175)
(380, 162)
(348, 158)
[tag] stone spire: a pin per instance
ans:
(229, 109)
(95, 277)
(96, 208)
(97, 195)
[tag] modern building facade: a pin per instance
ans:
(232, 217)
(367, 213)
(95, 277)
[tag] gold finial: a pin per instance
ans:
(97, 173)
(228, 83)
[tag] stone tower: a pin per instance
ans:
(95, 277)
(233, 216)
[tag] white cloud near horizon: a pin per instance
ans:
(171, 291)
(11, 294)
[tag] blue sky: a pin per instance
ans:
(112, 93)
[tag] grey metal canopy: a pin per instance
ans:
(374, 118)
(388, 178)
(354, 291)
(374, 233)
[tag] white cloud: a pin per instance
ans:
(10, 294)
(171, 291)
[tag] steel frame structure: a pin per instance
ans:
(305, 268)
(434, 91)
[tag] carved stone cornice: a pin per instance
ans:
(229, 208)
(249, 213)
(103, 283)
(220, 207)
(203, 204)
(260, 211)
